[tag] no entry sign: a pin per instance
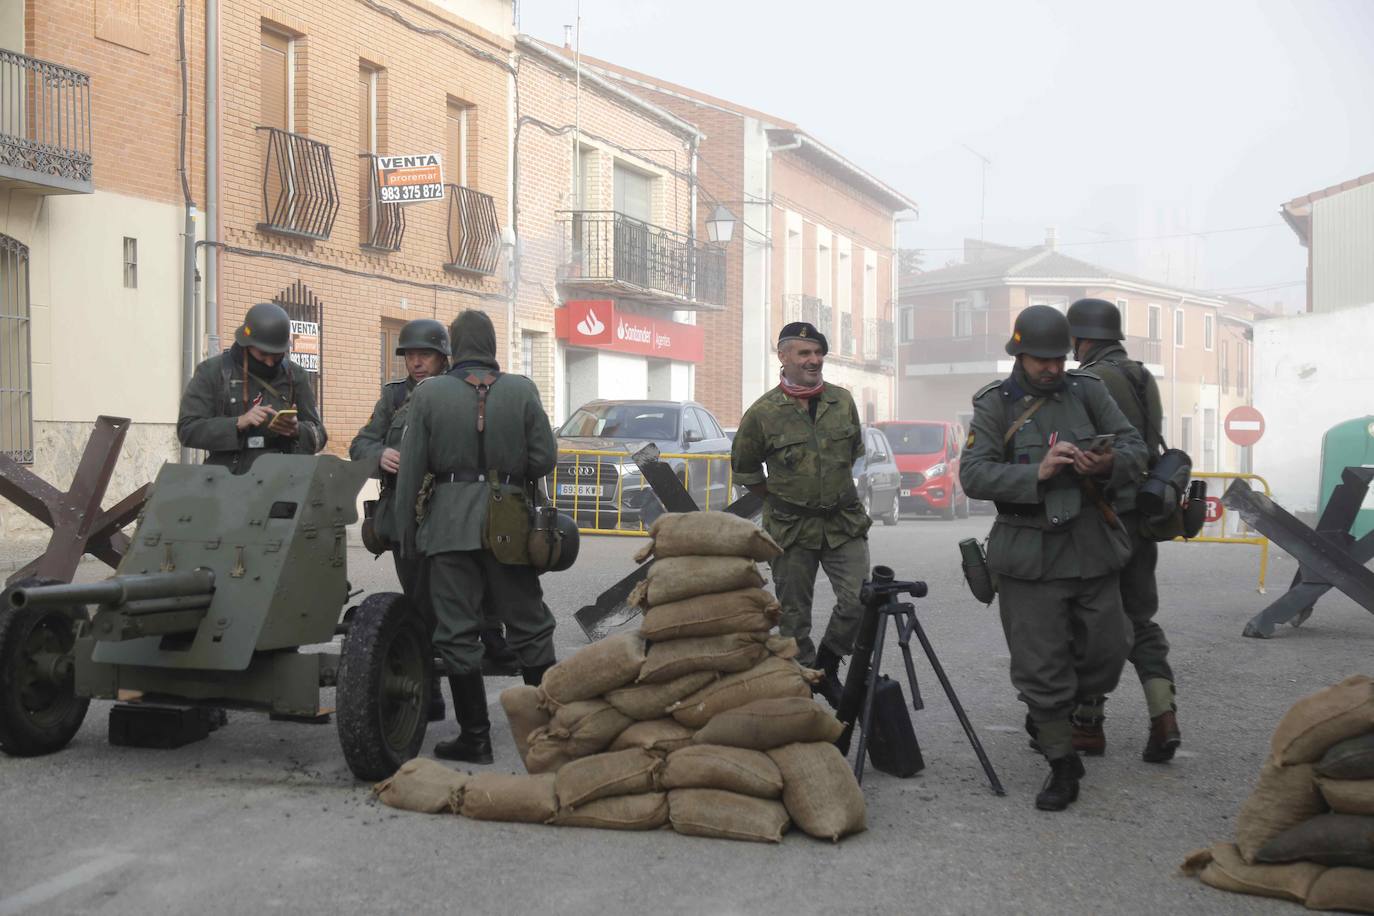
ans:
(1244, 425)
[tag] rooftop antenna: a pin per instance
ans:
(983, 197)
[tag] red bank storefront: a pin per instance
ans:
(606, 351)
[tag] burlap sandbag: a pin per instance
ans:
(707, 534)
(628, 772)
(686, 577)
(583, 728)
(624, 812)
(662, 736)
(1352, 758)
(1223, 868)
(1317, 722)
(507, 797)
(524, 714)
(547, 754)
(590, 672)
(744, 610)
(765, 724)
(1328, 839)
(732, 769)
(772, 677)
(1283, 797)
(727, 815)
(726, 654)
(1348, 796)
(821, 794)
(651, 701)
(1343, 889)
(423, 785)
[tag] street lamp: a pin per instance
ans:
(721, 226)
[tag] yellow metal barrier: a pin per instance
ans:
(1242, 533)
(619, 512)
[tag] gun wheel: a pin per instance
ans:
(39, 710)
(383, 692)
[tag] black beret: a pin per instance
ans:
(803, 330)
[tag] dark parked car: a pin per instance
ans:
(604, 491)
(877, 479)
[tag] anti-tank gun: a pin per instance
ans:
(226, 579)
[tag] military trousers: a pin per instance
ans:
(1140, 598)
(794, 579)
(461, 584)
(413, 575)
(1068, 638)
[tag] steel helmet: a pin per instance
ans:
(1041, 331)
(266, 327)
(1095, 319)
(423, 334)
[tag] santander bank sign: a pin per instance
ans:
(597, 324)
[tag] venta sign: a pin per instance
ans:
(595, 323)
(410, 179)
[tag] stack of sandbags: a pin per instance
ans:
(702, 720)
(1307, 831)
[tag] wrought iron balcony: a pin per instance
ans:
(613, 254)
(811, 309)
(879, 342)
(45, 126)
(1146, 349)
(474, 236)
(383, 225)
(300, 197)
(946, 350)
(846, 334)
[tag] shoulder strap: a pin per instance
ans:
(1133, 371)
(482, 382)
(1022, 420)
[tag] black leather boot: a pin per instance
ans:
(473, 744)
(534, 675)
(829, 687)
(1061, 789)
(437, 711)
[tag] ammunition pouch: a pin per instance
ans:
(507, 531)
(981, 580)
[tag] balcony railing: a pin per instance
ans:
(977, 348)
(846, 334)
(299, 195)
(814, 311)
(638, 260)
(383, 225)
(474, 236)
(880, 342)
(45, 125)
(1145, 349)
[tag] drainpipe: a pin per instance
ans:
(188, 261)
(212, 255)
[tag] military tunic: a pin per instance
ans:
(812, 509)
(221, 391)
(1055, 554)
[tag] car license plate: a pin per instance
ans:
(906, 492)
(579, 489)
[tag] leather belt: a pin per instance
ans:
(511, 480)
(809, 511)
(1025, 510)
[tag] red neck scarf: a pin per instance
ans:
(796, 391)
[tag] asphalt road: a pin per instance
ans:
(265, 816)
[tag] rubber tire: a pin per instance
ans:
(893, 517)
(380, 620)
(20, 736)
(867, 501)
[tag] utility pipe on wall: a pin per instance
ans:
(212, 253)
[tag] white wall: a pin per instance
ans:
(1342, 233)
(1309, 375)
(621, 377)
(12, 25)
(493, 15)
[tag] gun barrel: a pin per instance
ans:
(117, 590)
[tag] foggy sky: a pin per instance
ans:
(1108, 120)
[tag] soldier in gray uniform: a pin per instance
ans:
(1095, 326)
(1035, 447)
(485, 438)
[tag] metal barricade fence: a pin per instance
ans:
(1224, 527)
(605, 493)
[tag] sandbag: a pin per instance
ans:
(1352, 758)
(423, 785)
(661, 736)
(1348, 796)
(765, 724)
(731, 769)
(1283, 797)
(732, 652)
(821, 794)
(547, 754)
(1343, 889)
(507, 797)
(651, 701)
(1223, 868)
(772, 677)
(743, 610)
(590, 672)
(1328, 839)
(726, 815)
(707, 534)
(587, 726)
(623, 812)
(782, 646)
(628, 772)
(524, 714)
(686, 577)
(1317, 722)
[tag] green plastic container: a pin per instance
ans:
(1345, 445)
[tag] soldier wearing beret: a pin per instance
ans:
(808, 433)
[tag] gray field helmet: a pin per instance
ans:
(1095, 319)
(266, 327)
(423, 334)
(1041, 331)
